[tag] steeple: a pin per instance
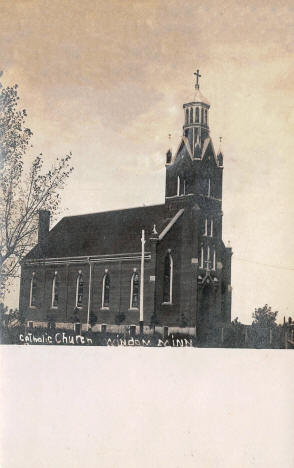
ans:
(195, 126)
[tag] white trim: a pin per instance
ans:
(208, 192)
(93, 259)
(171, 223)
(202, 257)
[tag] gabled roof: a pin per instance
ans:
(184, 141)
(206, 145)
(106, 233)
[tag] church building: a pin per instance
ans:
(162, 266)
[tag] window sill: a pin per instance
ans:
(132, 309)
(104, 308)
(54, 307)
(167, 303)
(33, 307)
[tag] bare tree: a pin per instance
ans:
(23, 191)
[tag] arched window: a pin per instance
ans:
(105, 290)
(135, 287)
(209, 188)
(191, 115)
(55, 291)
(197, 115)
(187, 116)
(202, 116)
(184, 187)
(79, 290)
(33, 291)
(205, 116)
(168, 279)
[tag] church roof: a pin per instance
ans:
(105, 233)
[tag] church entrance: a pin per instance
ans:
(204, 312)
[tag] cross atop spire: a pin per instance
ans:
(197, 74)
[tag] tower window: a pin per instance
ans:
(213, 259)
(184, 186)
(208, 188)
(79, 290)
(105, 290)
(202, 257)
(168, 279)
(211, 228)
(197, 115)
(208, 258)
(202, 118)
(33, 291)
(205, 114)
(205, 227)
(191, 115)
(55, 291)
(178, 185)
(187, 116)
(135, 286)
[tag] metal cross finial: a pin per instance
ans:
(220, 139)
(197, 74)
(169, 136)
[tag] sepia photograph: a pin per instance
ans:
(147, 200)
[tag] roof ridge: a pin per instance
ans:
(113, 211)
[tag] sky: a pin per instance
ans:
(107, 81)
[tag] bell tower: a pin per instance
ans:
(196, 127)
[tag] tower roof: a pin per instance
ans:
(198, 97)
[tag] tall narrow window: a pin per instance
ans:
(205, 227)
(80, 290)
(187, 116)
(55, 291)
(202, 257)
(168, 279)
(205, 114)
(184, 186)
(211, 228)
(105, 290)
(201, 115)
(33, 291)
(178, 185)
(191, 115)
(213, 259)
(135, 287)
(209, 188)
(197, 114)
(208, 258)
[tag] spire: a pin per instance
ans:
(196, 128)
(220, 157)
